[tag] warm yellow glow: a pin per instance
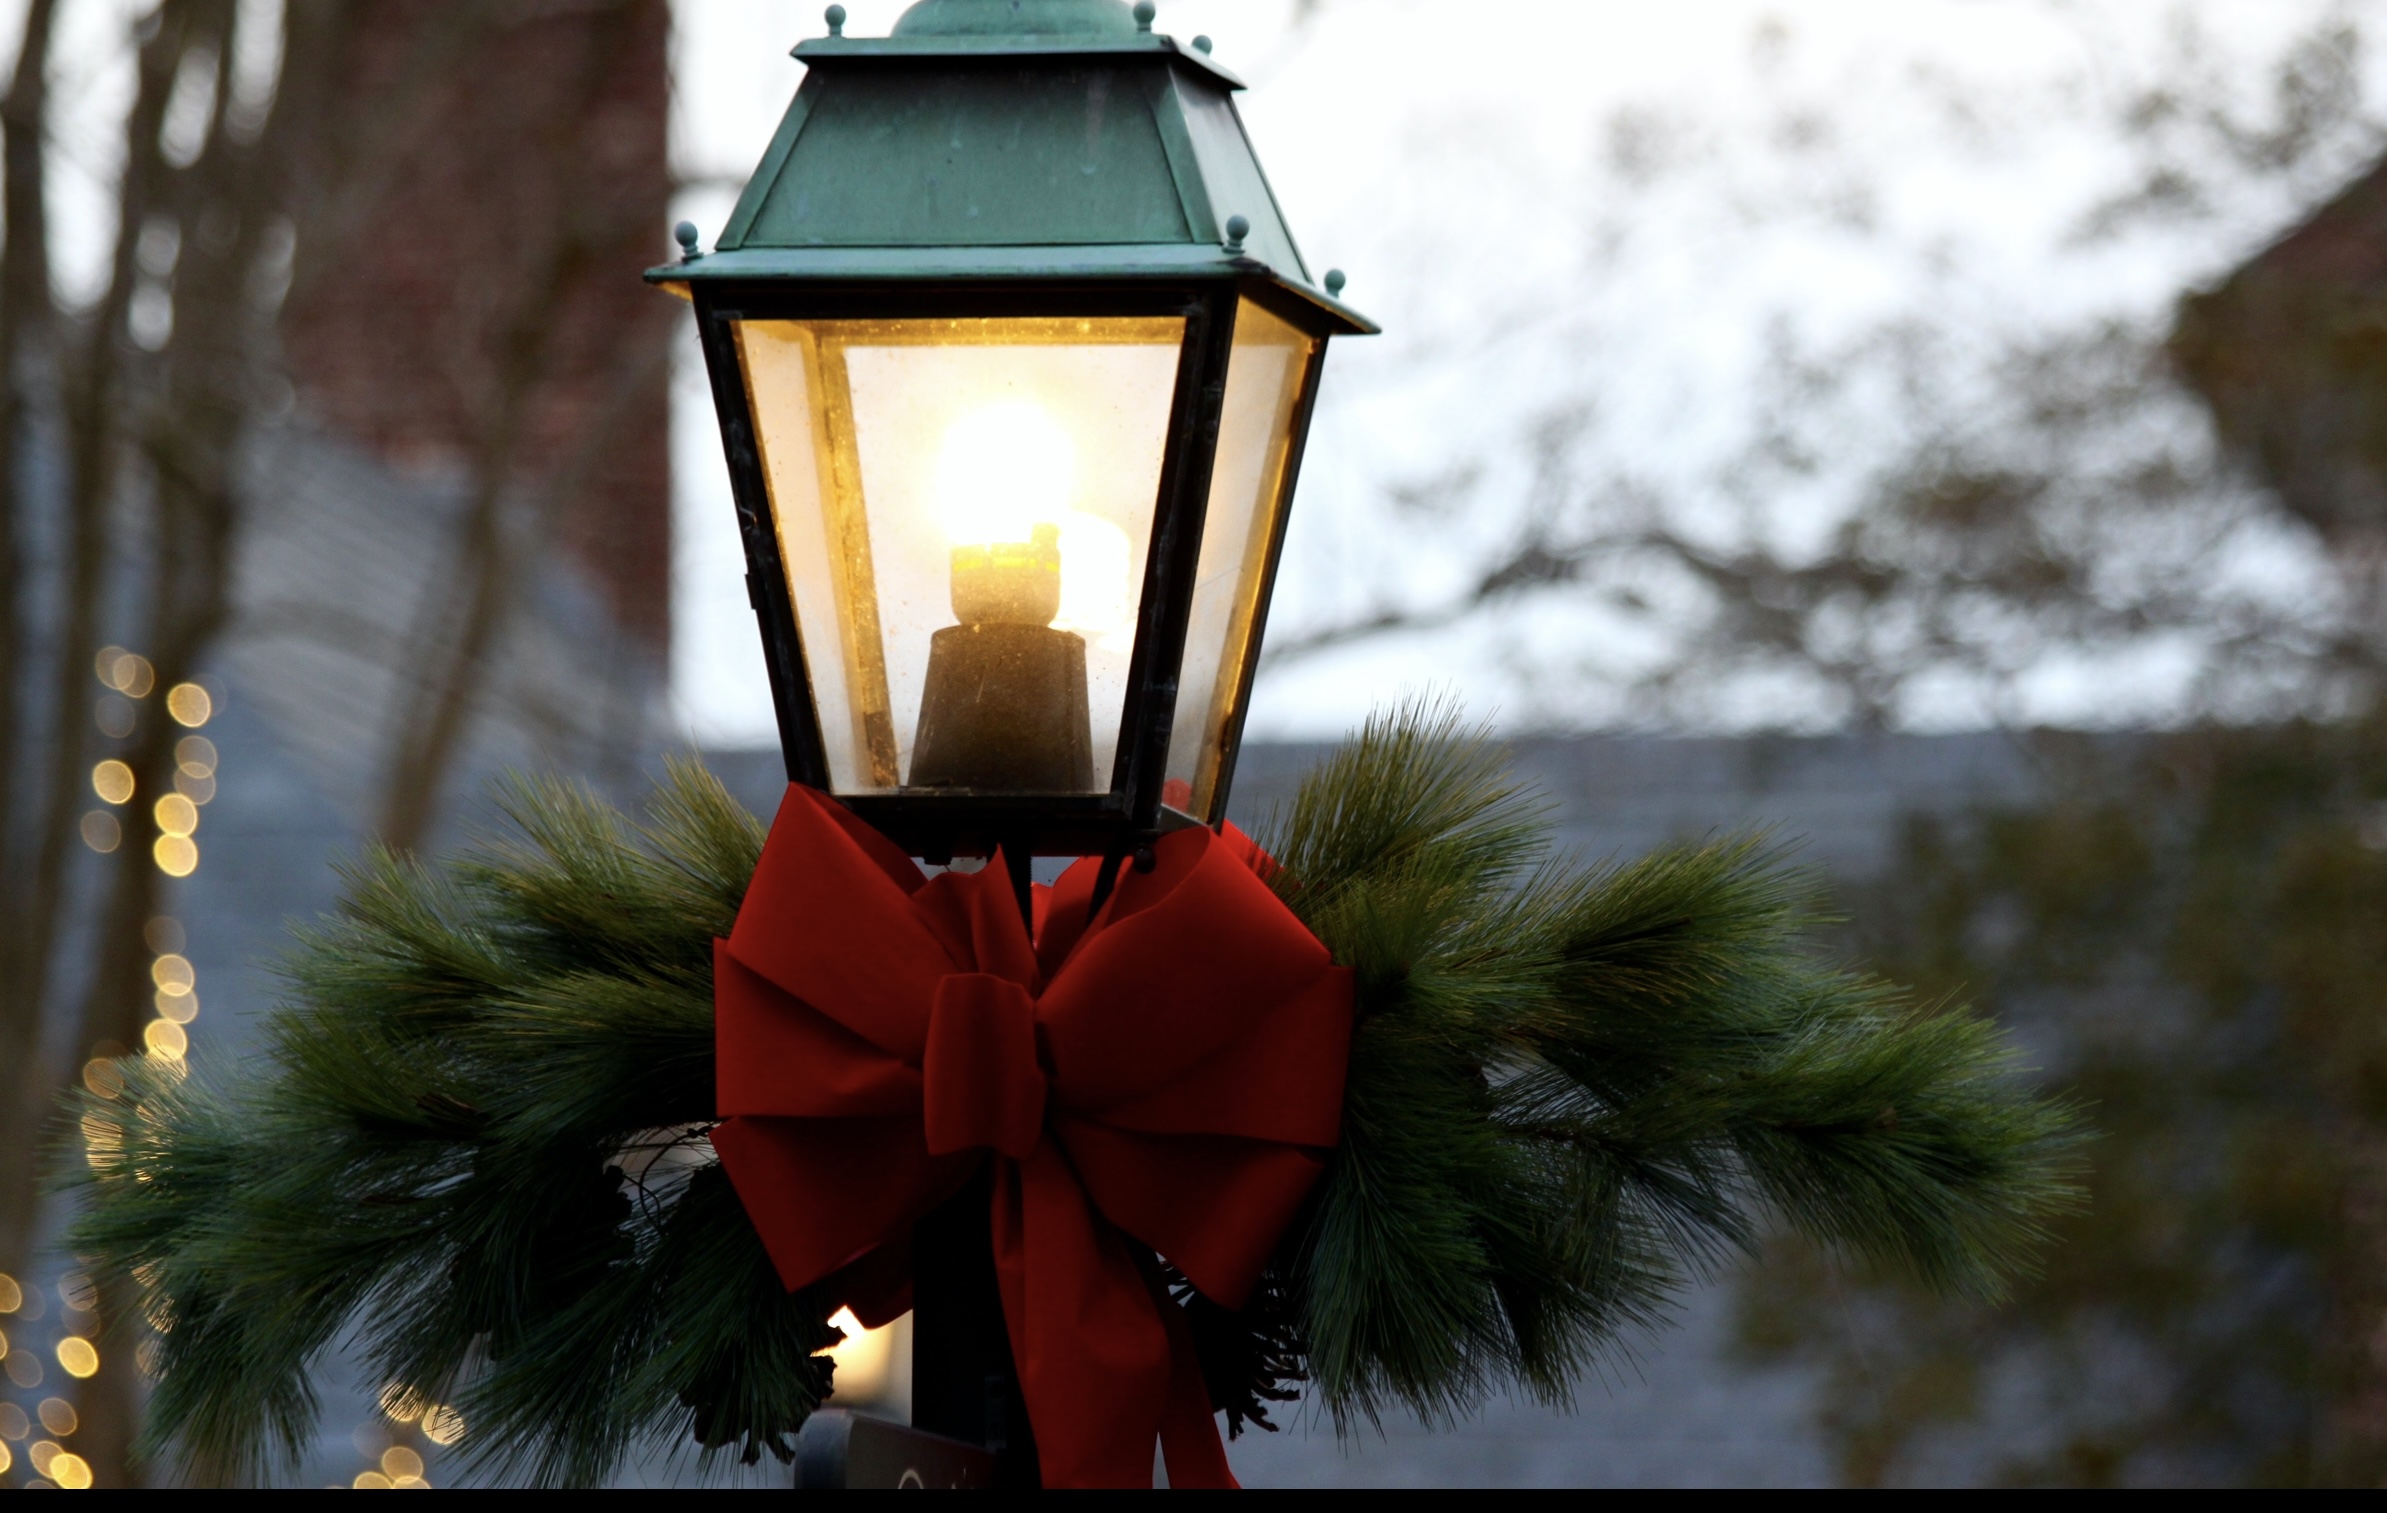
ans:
(190, 705)
(1008, 468)
(7, 1460)
(78, 1292)
(1003, 471)
(113, 782)
(102, 1077)
(103, 1148)
(370, 1481)
(181, 1008)
(411, 1484)
(24, 1369)
(58, 1416)
(41, 1452)
(1097, 591)
(101, 832)
(12, 1297)
(78, 1356)
(173, 974)
(865, 1358)
(166, 1038)
(177, 815)
(176, 855)
(402, 1404)
(70, 1471)
(399, 1463)
(442, 1425)
(195, 755)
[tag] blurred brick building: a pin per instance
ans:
(472, 491)
(2290, 353)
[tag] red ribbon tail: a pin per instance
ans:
(1189, 1440)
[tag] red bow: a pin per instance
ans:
(1167, 1072)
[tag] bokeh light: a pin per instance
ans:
(182, 1009)
(176, 855)
(199, 790)
(101, 832)
(177, 816)
(103, 1077)
(23, 1367)
(173, 974)
(442, 1425)
(371, 1481)
(78, 1356)
(113, 782)
(14, 1425)
(190, 705)
(70, 1471)
(12, 1297)
(399, 1463)
(7, 1459)
(403, 1404)
(59, 1417)
(166, 1038)
(196, 756)
(125, 672)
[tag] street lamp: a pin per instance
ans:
(1014, 360)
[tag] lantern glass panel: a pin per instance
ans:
(965, 508)
(1267, 380)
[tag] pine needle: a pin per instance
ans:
(474, 1148)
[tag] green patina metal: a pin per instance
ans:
(1011, 139)
(999, 18)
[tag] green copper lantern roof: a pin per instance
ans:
(982, 18)
(1008, 139)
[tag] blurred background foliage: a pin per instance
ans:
(2189, 932)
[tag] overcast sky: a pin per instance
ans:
(1607, 211)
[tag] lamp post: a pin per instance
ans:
(1014, 360)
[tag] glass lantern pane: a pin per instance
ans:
(965, 508)
(1249, 489)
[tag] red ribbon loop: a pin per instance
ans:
(1160, 1078)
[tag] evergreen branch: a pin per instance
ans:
(477, 1137)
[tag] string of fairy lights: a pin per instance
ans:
(396, 1441)
(38, 1438)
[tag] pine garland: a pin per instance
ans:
(476, 1138)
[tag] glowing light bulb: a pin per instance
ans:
(1003, 471)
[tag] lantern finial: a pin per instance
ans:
(1040, 18)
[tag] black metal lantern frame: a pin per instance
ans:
(1041, 161)
(940, 826)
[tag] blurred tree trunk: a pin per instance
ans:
(120, 434)
(145, 427)
(30, 854)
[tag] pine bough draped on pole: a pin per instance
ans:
(477, 1138)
